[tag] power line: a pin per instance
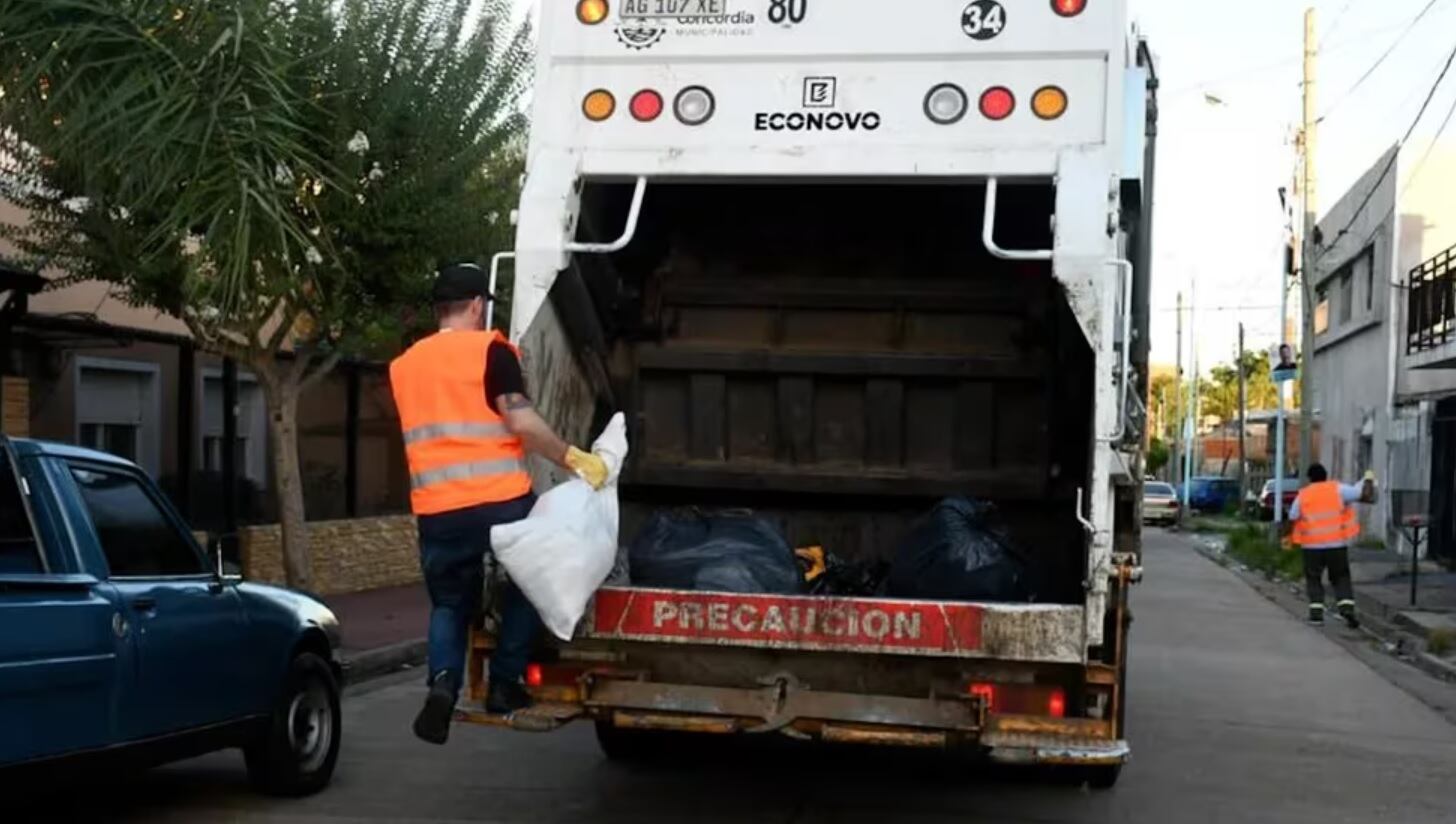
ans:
(1356, 38)
(1390, 164)
(1410, 27)
(1415, 171)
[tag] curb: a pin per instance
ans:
(362, 665)
(1401, 644)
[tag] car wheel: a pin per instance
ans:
(296, 753)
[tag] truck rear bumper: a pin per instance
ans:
(788, 708)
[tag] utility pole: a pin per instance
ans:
(1177, 428)
(1310, 193)
(1192, 410)
(1243, 414)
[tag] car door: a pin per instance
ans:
(188, 624)
(61, 654)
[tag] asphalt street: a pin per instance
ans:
(1238, 713)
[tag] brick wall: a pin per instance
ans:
(348, 556)
(15, 407)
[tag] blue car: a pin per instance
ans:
(1212, 494)
(119, 637)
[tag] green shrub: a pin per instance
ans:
(1441, 642)
(1252, 546)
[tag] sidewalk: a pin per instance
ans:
(383, 630)
(1383, 589)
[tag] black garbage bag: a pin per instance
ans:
(960, 551)
(729, 552)
(843, 579)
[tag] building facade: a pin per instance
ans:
(1376, 396)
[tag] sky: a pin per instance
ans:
(1218, 220)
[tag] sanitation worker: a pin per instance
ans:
(468, 425)
(1324, 525)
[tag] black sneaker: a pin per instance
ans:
(506, 697)
(1347, 611)
(1317, 616)
(433, 722)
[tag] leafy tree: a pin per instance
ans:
(1158, 457)
(282, 175)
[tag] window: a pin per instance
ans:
(252, 437)
(1370, 283)
(136, 536)
(118, 409)
(119, 439)
(1364, 453)
(1322, 310)
(19, 552)
(1347, 297)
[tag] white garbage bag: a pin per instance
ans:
(563, 551)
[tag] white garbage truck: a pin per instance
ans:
(838, 260)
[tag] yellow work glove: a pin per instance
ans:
(588, 467)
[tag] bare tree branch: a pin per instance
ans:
(322, 368)
(219, 344)
(285, 325)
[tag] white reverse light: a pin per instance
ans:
(946, 104)
(694, 105)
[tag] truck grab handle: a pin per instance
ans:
(1124, 379)
(495, 262)
(988, 231)
(633, 215)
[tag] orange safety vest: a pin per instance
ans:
(1324, 519)
(459, 450)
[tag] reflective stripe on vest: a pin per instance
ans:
(465, 471)
(1324, 519)
(436, 431)
(461, 454)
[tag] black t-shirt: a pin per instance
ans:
(502, 374)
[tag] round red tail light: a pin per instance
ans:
(997, 103)
(1069, 8)
(646, 105)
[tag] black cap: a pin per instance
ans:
(461, 281)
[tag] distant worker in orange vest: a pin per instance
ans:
(468, 425)
(1324, 525)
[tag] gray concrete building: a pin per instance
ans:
(1377, 396)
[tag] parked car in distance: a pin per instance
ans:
(1160, 503)
(121, 644)
(1266, 497)
(1213, 494)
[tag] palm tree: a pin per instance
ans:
(282, 175)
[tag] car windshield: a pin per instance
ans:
(1158, 490)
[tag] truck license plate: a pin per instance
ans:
(674, 8)
(788, 622)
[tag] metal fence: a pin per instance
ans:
(1431, 317)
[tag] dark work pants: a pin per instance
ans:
(1337, 561)
(452, 556)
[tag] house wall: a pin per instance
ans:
(1427, 227)
(1353, 360)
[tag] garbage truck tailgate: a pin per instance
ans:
(1009, 632)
